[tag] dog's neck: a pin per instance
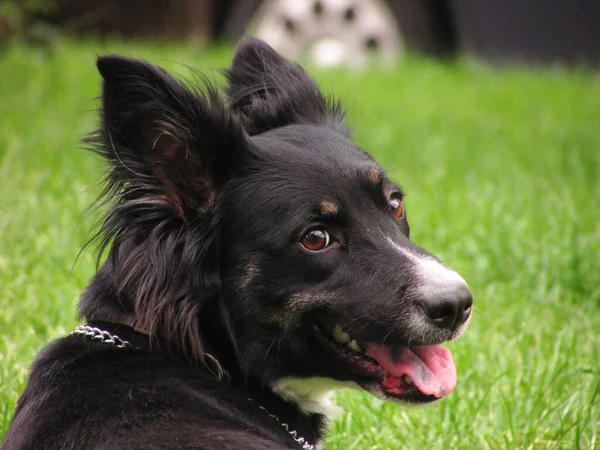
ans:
(309, 424)
(100, 302)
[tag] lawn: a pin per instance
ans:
(502, 170)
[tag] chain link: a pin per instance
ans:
(101, 336)
(299, 439)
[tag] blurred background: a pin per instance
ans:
(332, 32)
(487, 112)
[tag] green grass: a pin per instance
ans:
(502, 168)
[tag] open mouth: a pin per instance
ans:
(417, 374)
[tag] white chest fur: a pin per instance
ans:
(312, 395)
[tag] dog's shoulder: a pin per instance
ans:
(102, 396)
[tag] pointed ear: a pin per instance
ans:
(165, 140)
(270, 91)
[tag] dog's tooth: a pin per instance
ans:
(407, 380)
(340, 335)
(353, 345)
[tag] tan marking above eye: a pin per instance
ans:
(374, 175)
(329, 208)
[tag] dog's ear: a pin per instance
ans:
(171, 142)
(270, 91)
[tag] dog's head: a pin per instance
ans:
(265, 210)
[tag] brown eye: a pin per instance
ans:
(397, 207)
(315, 240)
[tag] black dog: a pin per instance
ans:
(257, 259)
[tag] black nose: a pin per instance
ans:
(449, 307)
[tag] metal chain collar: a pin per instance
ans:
(102, 336)
(106, 338)
(299, 439)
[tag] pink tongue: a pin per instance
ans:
(430, 367)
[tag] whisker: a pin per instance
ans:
(269, 349)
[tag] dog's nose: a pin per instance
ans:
(450, 306)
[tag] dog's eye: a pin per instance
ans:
(397, 207)
(315, 240)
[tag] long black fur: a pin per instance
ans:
(207, 200)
